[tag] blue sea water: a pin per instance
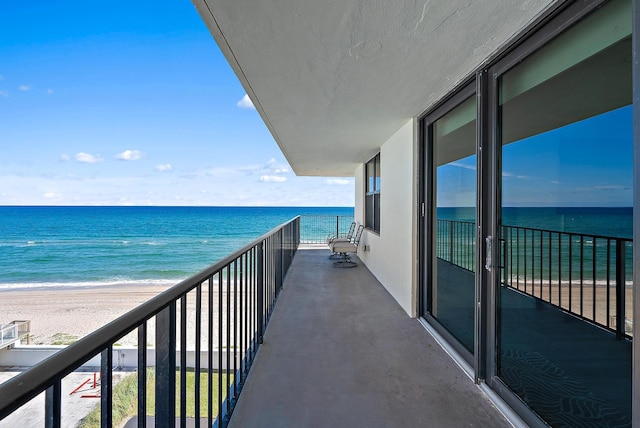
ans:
(90, 246)
(59, 246)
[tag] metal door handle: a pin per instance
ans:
(488, 261)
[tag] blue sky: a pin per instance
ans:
(132, 103)
(585, 164)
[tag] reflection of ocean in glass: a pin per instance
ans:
(615, 222)
(528, 239)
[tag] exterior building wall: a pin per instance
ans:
(390, 254)
(358, 208)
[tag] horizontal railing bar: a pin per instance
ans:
(21, 388)
(576, 234)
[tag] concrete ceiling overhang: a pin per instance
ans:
(333, 80)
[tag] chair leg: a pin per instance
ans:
(345, 262)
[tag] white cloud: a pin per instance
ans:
(462, 165)
(337, 181)
(101, 189)
(129, 155)
(65, 157)
(246, 103)
(272, 179)
(611, 187)
(163, 167)
(50, 91)
(506, 174)
(4, 94)
(88, 158)
(24, 87)
(52, 195)
(275, 168)
(270, 168)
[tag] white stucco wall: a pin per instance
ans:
(390, 256)
(358, 209)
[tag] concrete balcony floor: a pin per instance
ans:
(340, 351)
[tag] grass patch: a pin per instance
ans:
(63, 339)
(125, 403)
(191, 382)
(125, 397)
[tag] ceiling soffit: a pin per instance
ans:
(334, 80)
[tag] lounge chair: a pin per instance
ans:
(335, 238)
(344, 249)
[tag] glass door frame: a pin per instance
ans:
(428, 219)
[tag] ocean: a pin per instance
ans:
(93, 246)
(546, 242)
(615, 222)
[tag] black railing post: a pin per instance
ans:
(620, 288)
(142, 375)
(52, 407)
(260, 290)
(166, 366)
(281, 261)
(106, 367)
(337, 226)
(450, 242)
(183, 361)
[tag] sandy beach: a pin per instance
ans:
(72, 311)
(69, 313)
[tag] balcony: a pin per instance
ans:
(338, 349)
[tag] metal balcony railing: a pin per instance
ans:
(231, 302)
(316, 228)
(586, 275)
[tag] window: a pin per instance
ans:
(566, 152)
(372, 194)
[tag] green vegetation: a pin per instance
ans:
(191, 379)
(63, 339)
(125, 403)
(125, 398)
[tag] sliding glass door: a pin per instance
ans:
(451, 284)
(527, 231)
(565, 224)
